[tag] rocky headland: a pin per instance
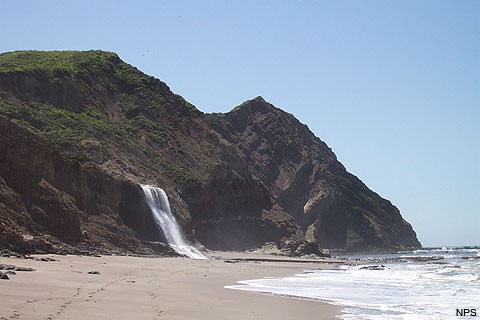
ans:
(79, 131)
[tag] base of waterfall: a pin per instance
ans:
(127, 287)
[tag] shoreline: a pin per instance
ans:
(126, 287)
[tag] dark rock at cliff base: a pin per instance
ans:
(161, 248)
(296, 248)
(80, 130)
(310, 248)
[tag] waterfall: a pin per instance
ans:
(157, 200)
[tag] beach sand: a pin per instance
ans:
(151, 288)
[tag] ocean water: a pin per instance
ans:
(421, 284)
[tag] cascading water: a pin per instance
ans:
(157, 200)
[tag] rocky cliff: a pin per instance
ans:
(80, 130)
(330, 205)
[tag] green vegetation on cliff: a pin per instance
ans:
(95, 107)
(50, 62)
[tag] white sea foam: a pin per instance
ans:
(158, 202)
(402, 290)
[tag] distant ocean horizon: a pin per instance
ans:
(429, 283)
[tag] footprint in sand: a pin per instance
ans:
(77, 292)
(160, 313)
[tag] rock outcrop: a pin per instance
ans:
(80, 130)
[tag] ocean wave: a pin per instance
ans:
(397, 289)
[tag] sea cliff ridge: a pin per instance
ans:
(81, 130)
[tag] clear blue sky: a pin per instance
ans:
(392, 86)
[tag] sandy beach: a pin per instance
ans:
(123, 287)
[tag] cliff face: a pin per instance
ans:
(330, 205)
(81, 130)
(47, 199)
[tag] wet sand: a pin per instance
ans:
(151, 288)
